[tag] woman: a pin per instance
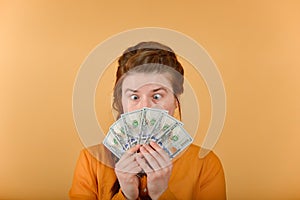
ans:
(148, 75)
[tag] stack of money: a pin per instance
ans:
(145, 125)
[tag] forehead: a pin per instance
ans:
(137, 80)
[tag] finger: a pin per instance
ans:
(163, 158)
(150, 156)
(131, 151)
(162, 162)
(134, 169)
(134, 148)
(160, 151)
(143, 164)
(129, 167)
(124, 161)
(127, 161)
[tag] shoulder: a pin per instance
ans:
(195, 151)
(97, 154)
(202, 158)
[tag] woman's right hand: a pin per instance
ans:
(126, 169)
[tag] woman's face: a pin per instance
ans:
(147, 90)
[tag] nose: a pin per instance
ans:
(146, 102)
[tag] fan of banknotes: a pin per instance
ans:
(145, 125)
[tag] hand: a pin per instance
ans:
(158, 167)
(126, 170)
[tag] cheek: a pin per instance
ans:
(170, 106)
(127, 106)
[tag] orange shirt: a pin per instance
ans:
(192, 177)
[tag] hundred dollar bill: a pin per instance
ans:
(165, 123)
(132, 122)
(118, 129)
(113, 144)
(151, 116)
(175, 140)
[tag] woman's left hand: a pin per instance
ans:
(158, 167)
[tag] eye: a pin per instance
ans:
(157, 96)
(134, 97)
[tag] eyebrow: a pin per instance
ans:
(130, 90)
(161, 88)
(154, 90)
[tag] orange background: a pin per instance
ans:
(255, 45)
